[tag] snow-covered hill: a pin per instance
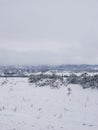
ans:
(26, 107)
(25, 71)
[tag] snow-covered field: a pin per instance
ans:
(25, 107)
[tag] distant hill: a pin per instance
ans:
(24, 70)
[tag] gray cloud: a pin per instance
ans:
(48, 32)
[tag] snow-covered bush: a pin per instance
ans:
(52, 80)
(5, 81)
(72, 79)
(85, 80)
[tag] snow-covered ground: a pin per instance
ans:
(25, 107)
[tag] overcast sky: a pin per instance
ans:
(48, 32)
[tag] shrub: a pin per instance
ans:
(52, 80)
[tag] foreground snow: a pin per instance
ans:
(25, 107)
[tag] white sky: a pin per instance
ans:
(48, 32)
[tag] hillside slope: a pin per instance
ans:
(25, 107)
